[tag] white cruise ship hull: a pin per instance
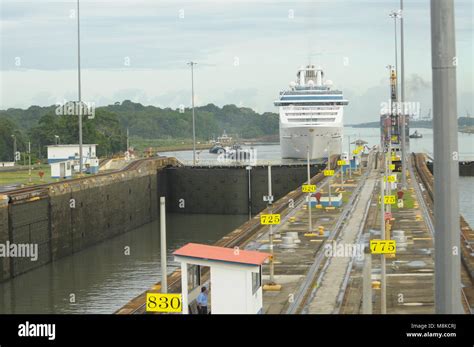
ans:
(294, 141)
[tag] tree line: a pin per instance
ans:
(42, 126)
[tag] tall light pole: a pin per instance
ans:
(128, 140)
(192, 101)
(446, 170)
(310, 218)
(349, 155)
(383, 277)
(270, 235)
(329, 168)
(79, 87)
(29, 162)
(395, 15)
(14, 148)
(402, 100)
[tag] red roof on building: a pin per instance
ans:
(232, 255)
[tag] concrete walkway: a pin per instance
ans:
(324, 302)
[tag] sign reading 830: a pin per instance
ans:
(157, 302)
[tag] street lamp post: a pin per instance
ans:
(192, 101)
(79, 87)
(329, 182)
(402, 100)
(310, 221)
(14, 148)
(29, 162)
(395, 15)
(56, 139)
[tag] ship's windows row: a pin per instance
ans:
(311, 120)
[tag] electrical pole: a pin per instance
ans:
(310, 222)
(402, 100)
(128, 140)
(192, 101)
(349, 156)
(383, 278)
(164, 267)
(446, 170)
(272, 265)
(79, 87)
(342, 170)
(14, 149)
(29, 162)
(329, 181)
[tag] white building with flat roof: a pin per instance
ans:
(70, 153)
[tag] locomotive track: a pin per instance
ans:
(467, 240)
(237, 238)
(42, 189)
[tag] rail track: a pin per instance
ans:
(240, 237)
(42, 189)
(467, 259)
(317, 270)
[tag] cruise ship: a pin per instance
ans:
(311, 116)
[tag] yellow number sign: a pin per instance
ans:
(392, 167)
(390, 179)
(328, 172)
(389, 199)
(157, 302)
(308, 188)
(341, 162)
(383, 246)
(355, 151)
(270, 219)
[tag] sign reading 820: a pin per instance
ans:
(270, 219)
(308, 188)
(158, 302)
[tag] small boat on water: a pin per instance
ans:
(416, 135)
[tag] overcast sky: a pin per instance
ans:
(247, 51)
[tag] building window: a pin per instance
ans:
(256, 280)
(194, 277)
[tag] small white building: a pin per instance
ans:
(235, 277)
(61, 169)
(64, 153)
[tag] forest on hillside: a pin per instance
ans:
(42, 125)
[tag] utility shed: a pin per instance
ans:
(235, 277)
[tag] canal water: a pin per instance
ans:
(102, 278)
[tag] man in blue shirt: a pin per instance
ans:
(202, 301)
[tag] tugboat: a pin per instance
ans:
(416, 135)
(217, 149)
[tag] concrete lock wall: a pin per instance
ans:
(224, 190)
(4, 261)
(70, 216)
(73, 215)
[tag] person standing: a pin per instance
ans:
(202, 301)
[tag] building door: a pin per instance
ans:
(62, 170)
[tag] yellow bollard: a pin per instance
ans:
(321, 230)
(376, 284)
